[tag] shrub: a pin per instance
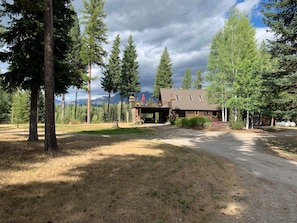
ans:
(195, 122)
(237, 125)
(178, 122)
(185, 123)
(199, 122)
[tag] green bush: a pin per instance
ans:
(237, 125)
(185, 123)
(178, 122)
(194, 122)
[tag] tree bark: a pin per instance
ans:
(108, 109)
(50, 143)
(89, 95)
(115, 125)
(247, 120)
(33, 129)
(63, 108)
(75, 104)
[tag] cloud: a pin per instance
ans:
(263, 34)
(185, 27)
(248, 6)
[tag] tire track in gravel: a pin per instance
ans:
(271, 181)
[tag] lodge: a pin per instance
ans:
(177, 103)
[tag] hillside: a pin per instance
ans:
(113, 100)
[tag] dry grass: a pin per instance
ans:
(285, 144)
(102, 178)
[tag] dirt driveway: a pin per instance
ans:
(271, 181)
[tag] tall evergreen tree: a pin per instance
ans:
(130, 74)
(129, 80)
(94, 37)
(20, 107)
(199, 79)
(281, 17)
(50, 141)
(187, 79)
(75, 59)
(111, 75)
(270, 89)
(24, 38)
(164, 73)
(5, 105)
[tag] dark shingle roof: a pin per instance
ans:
(187, 99)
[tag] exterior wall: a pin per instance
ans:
(212, 115)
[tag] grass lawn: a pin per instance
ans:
(108, 177)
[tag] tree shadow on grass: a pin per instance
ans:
(262, 171)
(16, 151)
(113, 182)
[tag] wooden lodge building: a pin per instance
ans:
(177, 103)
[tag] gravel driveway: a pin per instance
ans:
(271, 181)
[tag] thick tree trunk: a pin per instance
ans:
(89, 95)
(272, 121)
(33, 130)
(108, 105)
(122, 108)
(50, 143)
(115, 125)
(63, 108)
(75, 104)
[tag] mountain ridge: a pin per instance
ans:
(102, 100)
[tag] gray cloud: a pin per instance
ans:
(185, 27)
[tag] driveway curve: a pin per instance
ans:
(271, 181)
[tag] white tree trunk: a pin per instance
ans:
(226, 114)
(247, 120)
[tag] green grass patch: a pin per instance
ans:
(118, 131)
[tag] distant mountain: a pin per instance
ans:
(113, 100)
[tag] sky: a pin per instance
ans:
(185, 27)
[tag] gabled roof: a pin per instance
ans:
(186, 99)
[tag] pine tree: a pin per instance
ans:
(270, 88)
(187, 80)
(50, 140)
(130, 74)
(24, 38)
(129, 80)
(20, 107)
(199, 80)
(75, 59)
(93, 37)
(163, 77)
(78, 67)
(110, 79)
(5, 104)
(280, 16)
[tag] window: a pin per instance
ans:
(190, 98)
(200, 98)
(181, 114)
(177, 97)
